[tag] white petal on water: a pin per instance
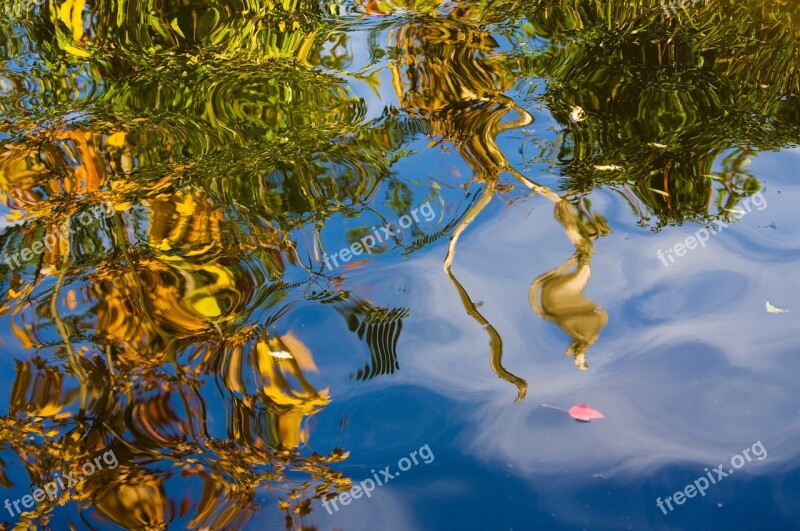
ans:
(735, 211)
(775, 309)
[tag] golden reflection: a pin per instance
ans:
(133, 376)
(139, 503)
(276, 365)
(160, 425)
(149, 331)
(68, 163)
(557, 296)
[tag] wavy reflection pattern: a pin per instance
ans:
(228, 145)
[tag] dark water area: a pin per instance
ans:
(335, 265)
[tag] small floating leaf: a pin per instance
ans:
(608, 167)
(584, 413)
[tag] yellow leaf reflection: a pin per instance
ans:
(71, 13)
(138, 503)
(557, 296)
(35, 180)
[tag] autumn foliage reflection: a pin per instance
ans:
(225, 135)
(133, 327)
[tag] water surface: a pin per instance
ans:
(258, 252)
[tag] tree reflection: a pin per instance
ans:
(450, 75)
(225, 136)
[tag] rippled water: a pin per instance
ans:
(324, 265)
